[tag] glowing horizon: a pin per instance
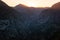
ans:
(31, 3)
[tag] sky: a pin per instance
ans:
(31, 3)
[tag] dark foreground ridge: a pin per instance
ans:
(21, 26)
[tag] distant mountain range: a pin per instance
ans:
(25, 9)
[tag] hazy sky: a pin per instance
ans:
(30, 3)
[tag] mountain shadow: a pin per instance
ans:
(16, 25)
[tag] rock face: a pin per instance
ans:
(20, 26)
(56, 6)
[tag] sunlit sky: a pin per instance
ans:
(31, 3)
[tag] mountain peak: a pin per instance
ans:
(56, 6)
(21, 5)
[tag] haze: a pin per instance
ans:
(31, 3)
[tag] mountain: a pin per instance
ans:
(6, 11)
(7, 22)
(21, 8)
(47, 20)
(53, 14)
(56, 6)
(23, 25)
(25, 9)
(54, 11)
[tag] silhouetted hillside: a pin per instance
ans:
(29, 10)
(15, 25)
(6, 12)
(7, 22)
(53, 14)
(56, 6)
